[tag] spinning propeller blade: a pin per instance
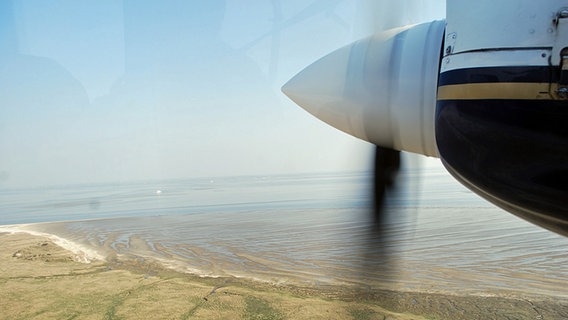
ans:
(381, 89)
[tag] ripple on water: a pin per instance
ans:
(444, 249)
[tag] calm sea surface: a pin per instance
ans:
(312, 229)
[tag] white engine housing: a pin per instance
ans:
(381, 89)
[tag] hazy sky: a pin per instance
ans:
(109, 91)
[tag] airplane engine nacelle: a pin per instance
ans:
(502, 110)
(381, 89)
(487, 93)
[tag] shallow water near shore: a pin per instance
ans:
(309, 230)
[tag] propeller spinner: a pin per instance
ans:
(381, 89)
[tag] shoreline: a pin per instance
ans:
(39, 278)
(84, 254)
(80, 253)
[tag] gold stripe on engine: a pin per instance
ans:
(497, 91)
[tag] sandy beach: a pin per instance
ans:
(40, 280)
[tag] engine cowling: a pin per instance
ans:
(501, 118)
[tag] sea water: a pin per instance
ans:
(308, 229)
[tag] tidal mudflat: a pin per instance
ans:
(40, 280)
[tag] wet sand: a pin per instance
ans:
(40, 280)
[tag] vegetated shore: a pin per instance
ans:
(40, 280)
